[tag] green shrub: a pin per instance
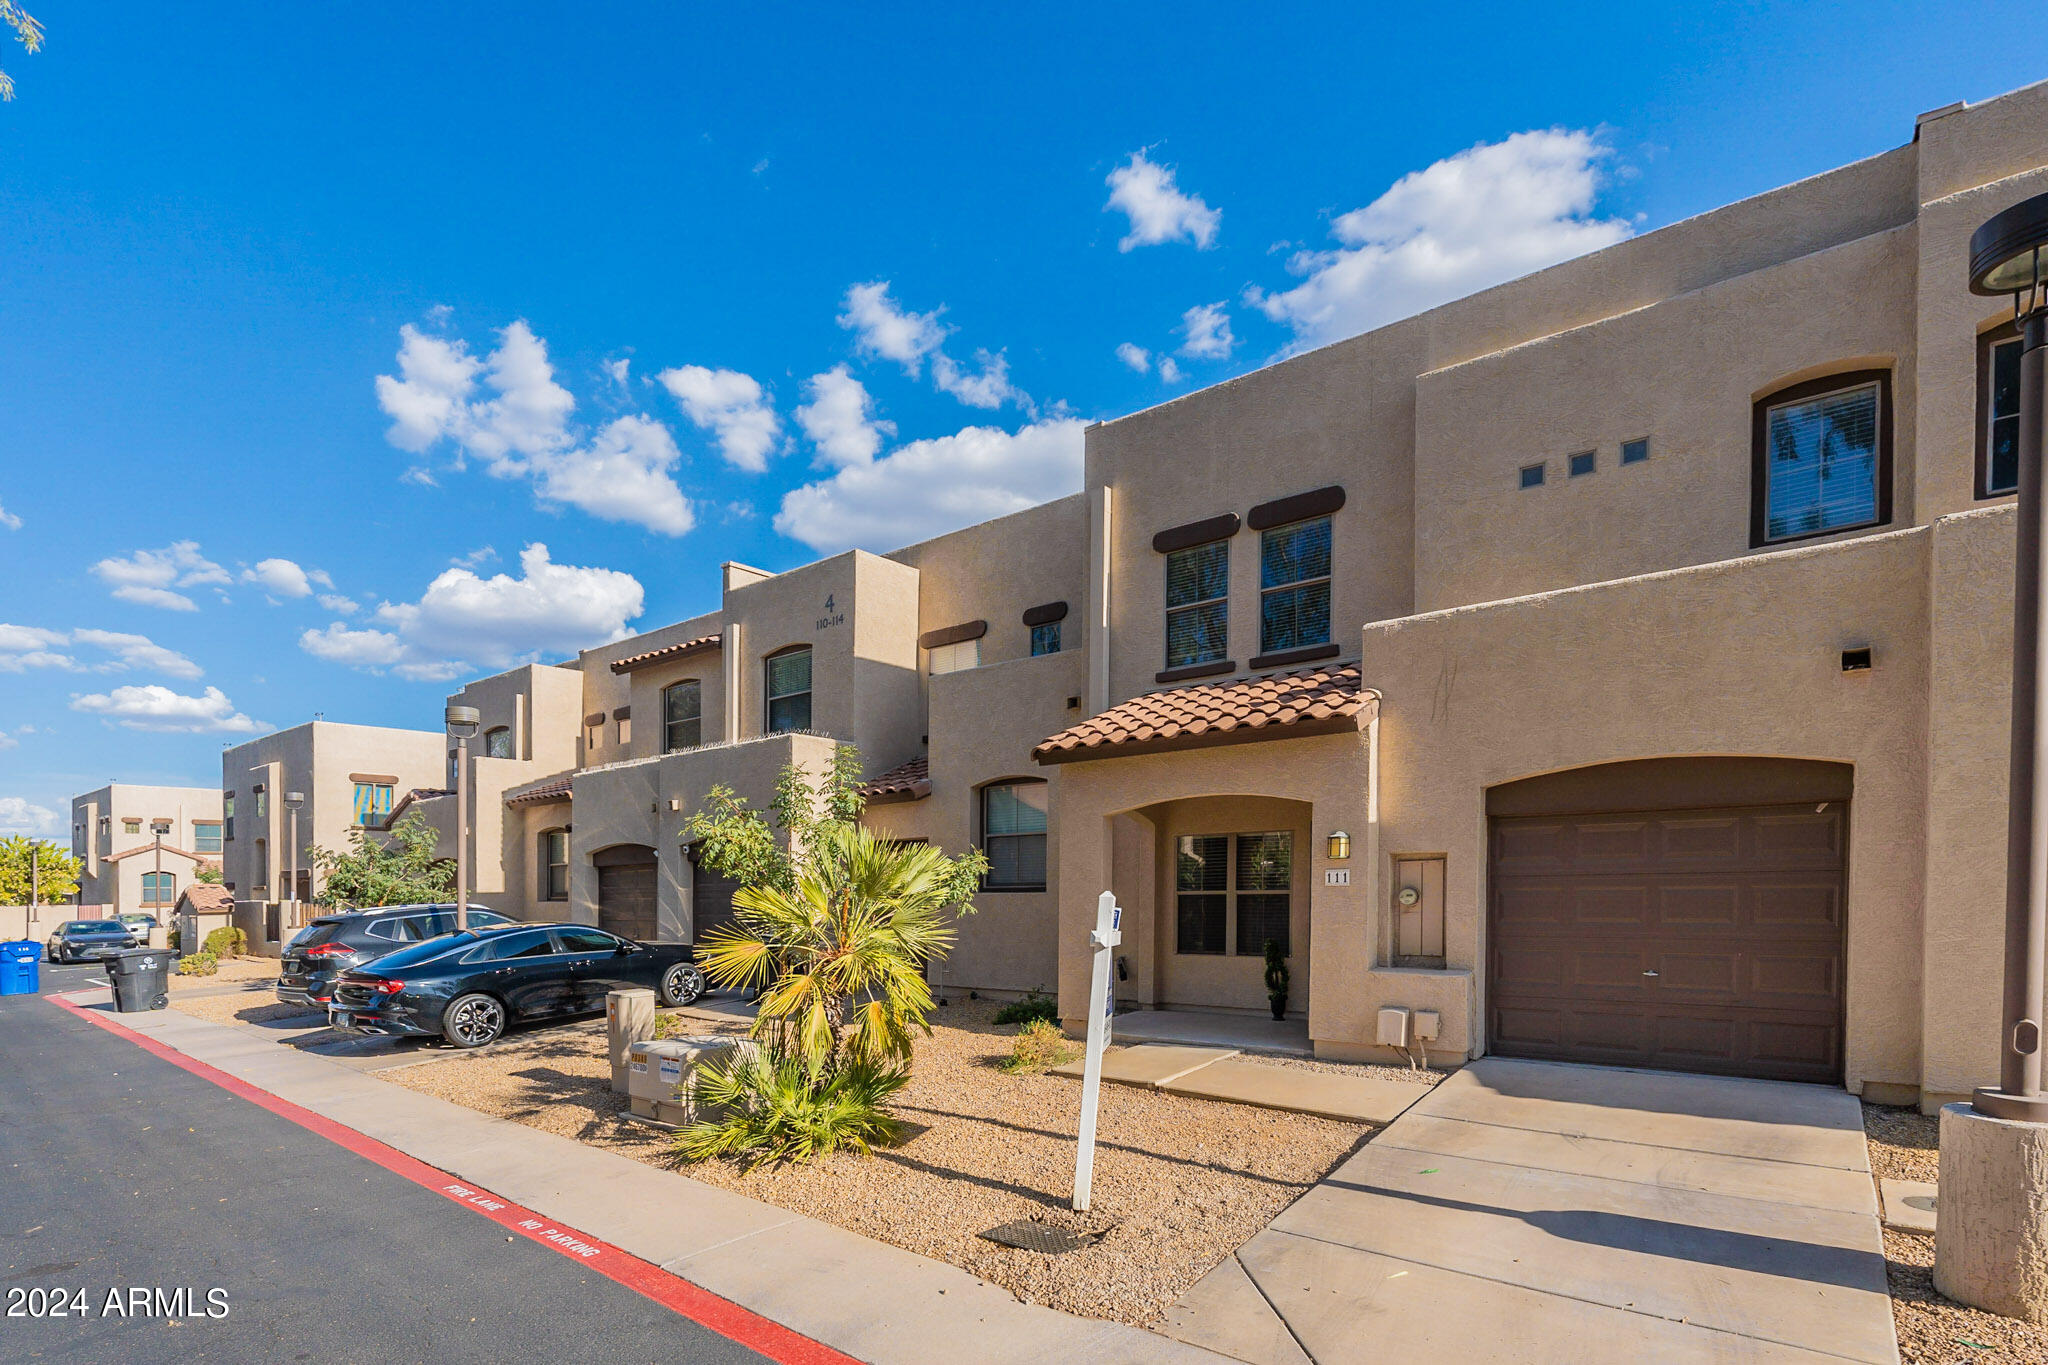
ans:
(1040, 1045)
(776, 1109)
(1034, 1006)
(198, 964)
(226, 941)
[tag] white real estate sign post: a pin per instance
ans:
(1104, 938)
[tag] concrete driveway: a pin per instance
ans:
(1530, 1211)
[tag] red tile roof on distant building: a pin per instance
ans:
(910, 781)
(666, 653)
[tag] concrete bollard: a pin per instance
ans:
(628, 1019)
(1991, 1235)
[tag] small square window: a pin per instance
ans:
(1583, 463)
(1045, 639)
(1532, 475)
(1636, 451)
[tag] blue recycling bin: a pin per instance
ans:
(20, 967)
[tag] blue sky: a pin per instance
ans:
(314, 324)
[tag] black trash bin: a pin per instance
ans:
(142, 979)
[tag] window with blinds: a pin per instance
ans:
(1233, 882)
(682, 711)
(554, 860)
(372, 802)
(1821, 462)
(961, 654)
(1013, 835)
(1294, 583)
(1999, 415)
(1197, 605)
(789, 690)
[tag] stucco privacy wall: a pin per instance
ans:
(1694, 365)
(1737, 658)
(1107, 841)
(648, 801)
(1969, 706)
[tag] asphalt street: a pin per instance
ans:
(120, 1171)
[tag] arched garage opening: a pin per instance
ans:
(1686, 914)
(625, 890)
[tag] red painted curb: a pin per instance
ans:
(701, 1306)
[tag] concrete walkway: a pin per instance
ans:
(870, 1300)
(1205, 1028)
(1535, 1212)
(1214, 1073)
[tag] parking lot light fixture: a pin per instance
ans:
(462, 723)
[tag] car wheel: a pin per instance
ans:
(473, 1020)
(682, 984)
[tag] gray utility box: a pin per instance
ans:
(657, 1070)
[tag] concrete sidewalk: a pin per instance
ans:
(1216, 1073)
(1535, 1212)
(870, 1300)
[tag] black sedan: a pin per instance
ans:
(468, 987)
(331, 944)
(83, 940)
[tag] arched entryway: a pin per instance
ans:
(626, 876)
(1686, 914)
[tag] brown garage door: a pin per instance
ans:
(625, 900)
(1690, 940)
(710, 900)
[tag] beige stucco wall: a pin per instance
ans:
(1742, 657)
(997, 570)
(648, 801)
(1228, 981)
(317, 759)
(118, 884)
(1693, 364)
(647, 684)
(604, 691)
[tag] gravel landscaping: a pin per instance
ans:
(1179, 1183)
(1933, 1330)
(255, 970)
(254, 1007)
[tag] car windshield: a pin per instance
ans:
(96, 926)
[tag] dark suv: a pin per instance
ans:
(334, 943)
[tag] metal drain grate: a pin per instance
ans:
(1029, 1236)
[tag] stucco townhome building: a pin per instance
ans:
(349, 776)
(113, 835)
(1612, 666)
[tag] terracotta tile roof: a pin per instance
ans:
(208, 897)
(664, 654)
(140, 849)
(910, 781)
(1312, 701)
(557, 790)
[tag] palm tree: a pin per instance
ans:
(25, 28)
(840, 958)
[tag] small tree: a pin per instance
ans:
(207, 874)
(56, 871)
(406, 871)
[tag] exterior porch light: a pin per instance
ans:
(462, 723)
(1994, 1150)
(1340, 845)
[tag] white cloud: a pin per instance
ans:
(883, 328)
(26, 647)
(282, 578)
(624, 473)
(336, 603)
(1207, 329)
(137, 651)
(147, 576)
(733, 406)
(1135, 356)
(19, 815)
(463, 622)
(9, 520)
(990, 388)
(157, 708)
(840, 419)
(1491, 213)
(1169, 369)
(8, 741)
(423, 477)
(1144, 191)
(619, 369)
(929, 487)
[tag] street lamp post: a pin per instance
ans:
(35, 883)
(1992, 1226)
(159, 828)
(292, 802)
(462, 723)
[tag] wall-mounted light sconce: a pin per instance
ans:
(1340, 845)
